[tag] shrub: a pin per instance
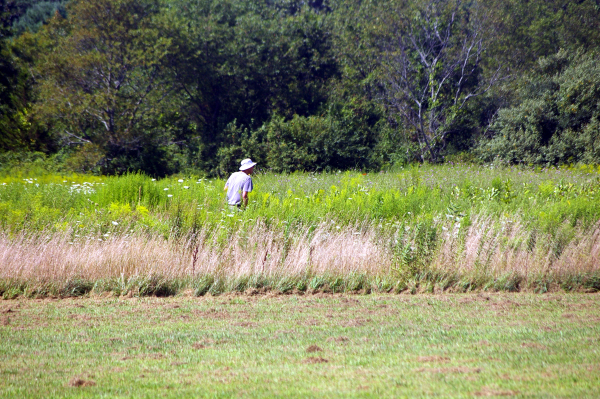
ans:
(556, 121)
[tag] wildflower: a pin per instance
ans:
(153, 180)
(115, 223)
(170, 195)
(186, 187)
(166, 188)
(180, 180)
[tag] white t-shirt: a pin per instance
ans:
(237, 183)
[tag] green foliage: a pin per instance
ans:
(111, 86)
(411, 203)
(241, 63)
(33, 14)
(242, 144)
(557, 119)
(528, 30)
(430, 55)
(105, 61)
(341, 139)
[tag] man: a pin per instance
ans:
(239, 184)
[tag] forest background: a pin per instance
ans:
(163, 87)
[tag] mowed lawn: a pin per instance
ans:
(322, 345)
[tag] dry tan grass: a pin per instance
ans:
(501, 247)
(255, 251)
(492, 247)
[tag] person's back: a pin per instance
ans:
(239, 184)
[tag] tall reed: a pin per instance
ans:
(489, 254)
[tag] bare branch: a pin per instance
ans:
(431, 69)
(81, 139)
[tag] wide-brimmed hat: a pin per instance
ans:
(247, 164)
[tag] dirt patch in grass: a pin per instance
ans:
(211, 314)
(355, 323)
(433, 359)
(315, 360)
(245, 324)
(494, 392)
(313, 348)
(450, 370)
(83, 317)
(339, 340)
(178, 363)
(80, 382)
(533, 345)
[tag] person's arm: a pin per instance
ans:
(246, 188)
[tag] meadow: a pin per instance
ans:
(422, 228)
(325, 345)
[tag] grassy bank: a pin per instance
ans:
(455, 346)
(456, 227)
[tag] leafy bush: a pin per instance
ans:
(557, 120)
(340, 139)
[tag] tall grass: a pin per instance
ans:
(430, 228)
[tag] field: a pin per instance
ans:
(416, 229)
(135, 287)
(324, 345)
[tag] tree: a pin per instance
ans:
(102, 82)
(557, 118)
(245, 61)
(524, 31)
(16, 131)
(432, 67)
(30, 15)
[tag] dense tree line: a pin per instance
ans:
(108, 86)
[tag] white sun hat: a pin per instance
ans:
(247, 164)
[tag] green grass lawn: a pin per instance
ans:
(456, 345)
